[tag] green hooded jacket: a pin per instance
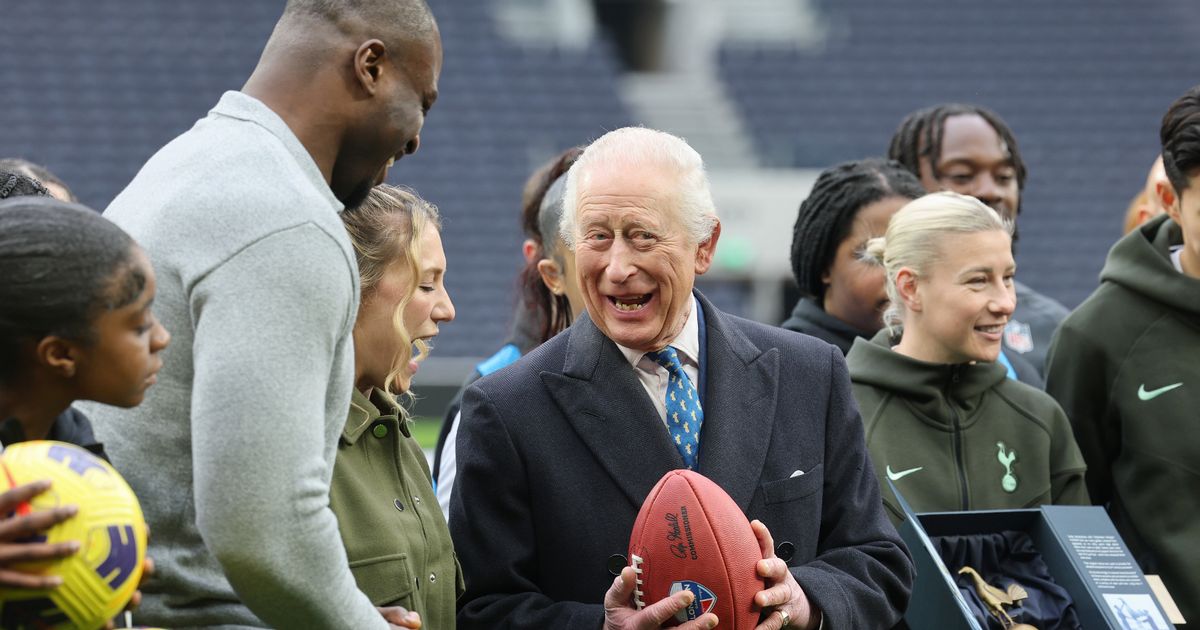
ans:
(961, 437)
(1126, 368)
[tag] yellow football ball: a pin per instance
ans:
(101, 577)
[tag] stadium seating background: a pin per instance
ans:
(92, 89)
(1082, 83)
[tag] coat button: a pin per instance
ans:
(417, 499)
(615, 563)
(380, 430)
(399, 505)
(432, 577)
(785, 551)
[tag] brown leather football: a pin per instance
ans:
(691, 535)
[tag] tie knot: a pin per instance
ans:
(668, 358)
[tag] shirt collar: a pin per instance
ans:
(242, 106)
(366, 410)
(687, 343)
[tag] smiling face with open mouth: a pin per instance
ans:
(965, 298)
(635, 259)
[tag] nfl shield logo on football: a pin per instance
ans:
(703, 602)
(1018, 336)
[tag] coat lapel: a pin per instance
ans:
(605, 403)
(739, 406)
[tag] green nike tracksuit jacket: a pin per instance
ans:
(961, 437)
(1126, 368)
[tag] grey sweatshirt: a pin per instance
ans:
(232, 451)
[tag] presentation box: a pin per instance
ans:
(1079, 545)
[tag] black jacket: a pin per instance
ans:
(71, 426)
(559, 450)
(809, 318)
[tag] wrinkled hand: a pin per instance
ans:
(398, 617)
(782, 592)
(619, 613)
(16, 528)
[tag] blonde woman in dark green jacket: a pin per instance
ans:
(943, 422)
(396, 538)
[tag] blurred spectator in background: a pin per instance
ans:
(968, 149)
(843, 296)
(233, 452)
(14, 184)
(549, 300)
(931, 379)
(1126, 368)
(381, 492)
(57, 188)
(1149, 202)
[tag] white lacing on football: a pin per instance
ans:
(637, 589)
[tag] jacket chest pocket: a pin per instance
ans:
(792, 511)
(793, 488)
(385, 579)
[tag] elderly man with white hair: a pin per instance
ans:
(558, 451)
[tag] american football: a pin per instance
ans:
(690, 535)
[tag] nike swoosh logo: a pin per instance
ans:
(897, 476)
(1155, 393)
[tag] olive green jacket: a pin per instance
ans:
(961, 437)
(395, 535)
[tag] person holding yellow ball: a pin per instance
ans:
(75, 324)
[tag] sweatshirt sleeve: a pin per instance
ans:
(1067, 485)
(1076, 378)
(267, 323)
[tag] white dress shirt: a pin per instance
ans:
(654, 377)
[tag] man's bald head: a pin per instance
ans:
(408, 16)
(353, 79)
(408, 19)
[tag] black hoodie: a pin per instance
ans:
(1126, 368)
(809, 318)
(961, 437)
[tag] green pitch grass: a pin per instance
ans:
(425, 430)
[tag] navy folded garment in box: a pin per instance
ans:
(1077, 545)
(1002, 558)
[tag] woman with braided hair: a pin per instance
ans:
(55, 187)
(842, 297)
(13, 184)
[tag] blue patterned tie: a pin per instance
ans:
(684, 415)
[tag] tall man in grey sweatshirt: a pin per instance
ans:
(233, 452)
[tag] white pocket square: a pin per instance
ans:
(796, 474)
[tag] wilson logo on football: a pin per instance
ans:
(703, 602)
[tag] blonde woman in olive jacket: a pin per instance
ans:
(943, 422)
(396, 538)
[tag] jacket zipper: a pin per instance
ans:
(958, 447)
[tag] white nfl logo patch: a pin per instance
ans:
(1018, 336)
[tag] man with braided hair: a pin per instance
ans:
(233, 452)
(843, 297)
(969, 150)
